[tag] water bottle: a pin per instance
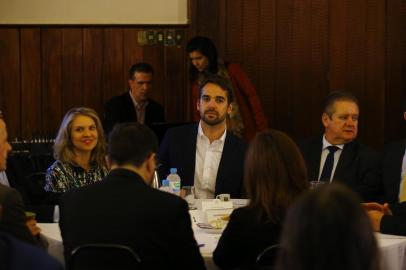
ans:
(165, 186)
(174, 181)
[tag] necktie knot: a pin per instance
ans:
(332, 148)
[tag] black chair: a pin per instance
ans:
(266, 259)
(104, 257)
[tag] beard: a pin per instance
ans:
(212, 121)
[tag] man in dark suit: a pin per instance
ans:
(134, 105)
(13, 219)
(390, 217)
(125, 209)
(337, 155)
(15, 254)
(394, 169)
(205, 154)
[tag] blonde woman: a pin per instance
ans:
(79, 151)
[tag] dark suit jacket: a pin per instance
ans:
(12, 220)
(35, 198)
(122, 209)
(358, 167)
(121, 109)
(243, 239)
(17, 255)
(396, 223)
(178, 150)
(391, 170)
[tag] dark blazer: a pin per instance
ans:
(121, 109)
(243, 239)
(35, 198)
(13, 219)
(178, 150)
(358, 167)
(392, 169)
(396, 223)
(17, 255)
(122, 209)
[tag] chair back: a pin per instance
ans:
(266, 259)
(104, 257)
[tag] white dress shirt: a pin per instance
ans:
(324, 154)
(208, 156)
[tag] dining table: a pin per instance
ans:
(392, 247)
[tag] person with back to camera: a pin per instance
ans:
(247, 116)
(275, 175)
(328, 229)
(79, 151)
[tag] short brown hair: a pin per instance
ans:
(274, 174)
(220, 82)
(334, 97)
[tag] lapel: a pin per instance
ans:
(226, 160)
(129, 108)
(346, 160)
(189, 153)
(314, 159)
(395, 160)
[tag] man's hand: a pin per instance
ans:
(32, 226)
(373, 206)
(375, 217)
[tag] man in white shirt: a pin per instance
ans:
(337, 155)
(205, 154)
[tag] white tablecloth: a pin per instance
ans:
(392, 247)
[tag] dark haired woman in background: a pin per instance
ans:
(274, 176)
(247, 116)
(328, 229)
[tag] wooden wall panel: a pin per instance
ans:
(93, 68)
(10, 85)
(51, 69)
(72, 68)
(175, 82)
(31, 87)
(337, 43)
(295, 52)
(155, 56)
(395, 83)
(113, 79)
(374, 93)
(267, 50)
(46, 70)
(284, 85)
(319, 64)
(317, 46)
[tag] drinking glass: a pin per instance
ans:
(188, 193)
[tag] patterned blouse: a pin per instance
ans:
(63, 176)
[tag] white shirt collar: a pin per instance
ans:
(201, 134)
(327, 144)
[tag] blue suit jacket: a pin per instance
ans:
(17, 255)
(178, 150)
